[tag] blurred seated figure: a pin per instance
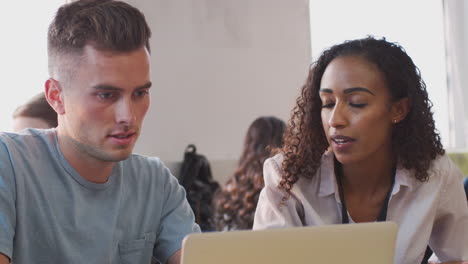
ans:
(197, 179)
(36, 113)
(235, 204)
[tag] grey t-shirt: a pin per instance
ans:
(50, 214)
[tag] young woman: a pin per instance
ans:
(362, 147)
(235, 204)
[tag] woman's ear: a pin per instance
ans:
(399, 110)
(53, 94)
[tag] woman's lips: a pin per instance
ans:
(341, 143)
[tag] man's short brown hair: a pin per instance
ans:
(107, 25)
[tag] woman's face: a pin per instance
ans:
(357, 113)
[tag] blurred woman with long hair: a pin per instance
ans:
(236, 202)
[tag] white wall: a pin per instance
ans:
(216, 66)
(23, 46)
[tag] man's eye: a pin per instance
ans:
(141, 93)
(105, 96)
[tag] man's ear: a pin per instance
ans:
(54, 95)
(400, 110)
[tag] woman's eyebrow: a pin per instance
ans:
(347, 90)
(326, 90)
(357, 89)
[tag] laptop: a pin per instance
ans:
(332, 244)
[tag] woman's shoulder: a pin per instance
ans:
(275, 161)
(272, 170)
(443, 166)
(443, 173)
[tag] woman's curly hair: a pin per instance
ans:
(235, 204)
(415, 140)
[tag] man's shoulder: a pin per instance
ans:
(7, 138)
(26, 140)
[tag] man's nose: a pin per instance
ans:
(125, 113)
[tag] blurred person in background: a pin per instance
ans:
(235, 204)
(35, 113)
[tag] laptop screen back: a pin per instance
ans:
(354, 243)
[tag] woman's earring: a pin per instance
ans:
(394, 121)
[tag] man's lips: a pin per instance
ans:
(123, 138)
(123, 135)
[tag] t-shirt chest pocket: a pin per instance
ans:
(138, 251)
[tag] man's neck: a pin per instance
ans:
(91, 169)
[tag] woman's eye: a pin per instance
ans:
(357, 105)
(328, 105)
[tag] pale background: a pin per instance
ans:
(219, 64)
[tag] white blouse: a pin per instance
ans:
(431, 213)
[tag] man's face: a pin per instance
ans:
(105, 102)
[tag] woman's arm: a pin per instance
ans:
(174, 259)
(4, 259)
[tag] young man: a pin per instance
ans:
(76, 194)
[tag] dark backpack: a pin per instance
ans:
(196, 178)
